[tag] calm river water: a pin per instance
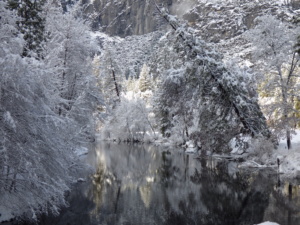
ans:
(147, 185)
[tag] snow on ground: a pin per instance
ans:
(289, 159)
(105, 37)
(268, 223)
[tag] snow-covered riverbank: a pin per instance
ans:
(285, 161)
(289, 159)
(7, 210)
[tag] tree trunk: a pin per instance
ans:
(288, 139)
(284, 94)
(13, 183)
(289, 219)
(249, 113)
(116, 84)
(60, 110)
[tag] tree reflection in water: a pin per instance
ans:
(139, 184)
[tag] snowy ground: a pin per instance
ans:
(289, 159)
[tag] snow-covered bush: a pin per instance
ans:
(130, 122)
(261, 150)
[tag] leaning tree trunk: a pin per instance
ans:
(246, 108)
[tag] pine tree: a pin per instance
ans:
(35, 152)
(31, 23)
(37, 145)
(144, 80)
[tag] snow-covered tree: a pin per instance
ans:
(68, 54)
(132, 85)
(275, 57)
(212, 99)
(144, 79)
(131, 121)
(111, 79)
(31, 23)
(35, 146)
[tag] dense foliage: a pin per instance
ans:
(57, 76)
(277, 61)
(202, 97)
(46, 108)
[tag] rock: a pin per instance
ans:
(124, 17)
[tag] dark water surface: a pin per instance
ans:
(143, 185)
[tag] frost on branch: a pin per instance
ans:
(218, 100)
(37, 143)
(277, 61)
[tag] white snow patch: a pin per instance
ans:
(289, 160)
(191, 150)
(253, 164)
(268, 223)
(8, 119)
(150, 179)
(107, 38)
(191, 147)
(190, 144)
(80, 180)
(81, 151)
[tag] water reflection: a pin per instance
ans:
(150, 185)
(286, 198)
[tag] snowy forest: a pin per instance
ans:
(211, 77)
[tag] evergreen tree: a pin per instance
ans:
(144, 80)
(132, 84)
(37, 144)
(31, 23)
(36, 150)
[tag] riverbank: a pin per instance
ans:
(289, 159)
(8, 213)
(284, 161)
(259, 155)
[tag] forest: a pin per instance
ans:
(221, 81)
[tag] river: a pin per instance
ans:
(141, 185)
